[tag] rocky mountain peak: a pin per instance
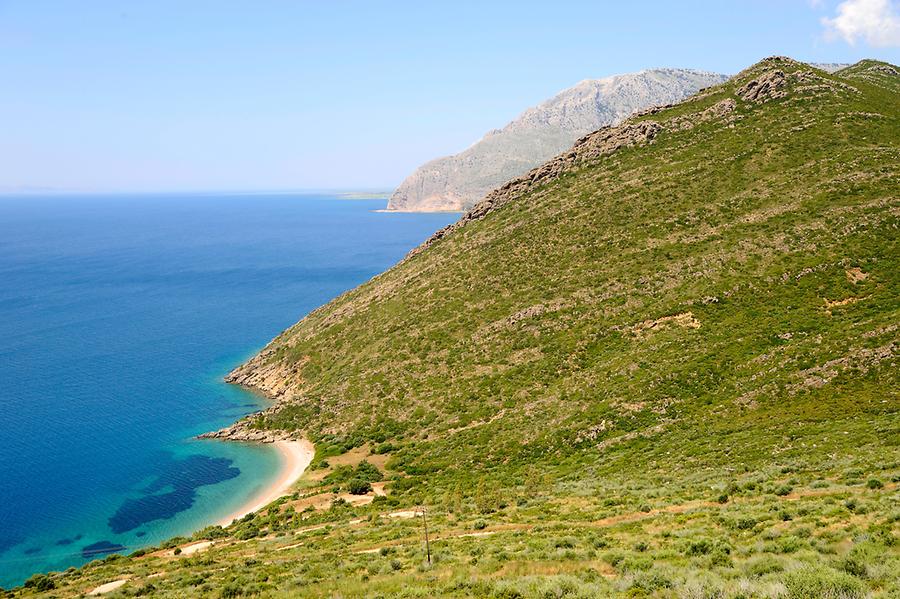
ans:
(458, 182)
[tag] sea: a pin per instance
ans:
(119, 316)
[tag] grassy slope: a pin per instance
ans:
(527, 374)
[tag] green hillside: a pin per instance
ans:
(662, 364)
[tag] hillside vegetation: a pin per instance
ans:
(662, 364)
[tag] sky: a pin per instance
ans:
(259, 95)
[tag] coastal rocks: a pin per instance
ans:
(275, 379)
(278, 380)
(247, 430)
(245, 433)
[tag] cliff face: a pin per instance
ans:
(457, 182)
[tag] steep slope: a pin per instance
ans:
(534, 304)
(457, 182)
(661, 364)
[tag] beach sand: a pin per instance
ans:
(296, 456)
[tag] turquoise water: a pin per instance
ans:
(118, 318)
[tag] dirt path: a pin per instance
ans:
(108, 587)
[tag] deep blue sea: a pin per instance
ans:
(119, 315)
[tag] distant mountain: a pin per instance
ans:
(830, 67)
(457, 182)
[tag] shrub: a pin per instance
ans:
(507, 593)
(564, 543)
(210, 532)
(367, 471)
(698, 547)
(147, 589)
(479, 525)
(637, 563)
(364, 471)
(783, 490)
(384, 448)
(396, 565)
(721, 556)
(40, 583)
(820, 582)
(231, 590)
(764, 565)
(359, 487)
(874, 483)
(650, 581)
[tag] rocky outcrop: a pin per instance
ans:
(266, 375)
(246, 430)
(458, 182)
(768, 86)
(277, 380)
(589, 148)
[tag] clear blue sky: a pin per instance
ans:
(265, 95)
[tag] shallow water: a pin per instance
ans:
(118, 318)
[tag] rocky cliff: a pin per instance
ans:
(458, 182)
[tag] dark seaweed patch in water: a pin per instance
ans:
(100, 548)
(140, 534)
(64, 542)
(184, 477)
(32, 550)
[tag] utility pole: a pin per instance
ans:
(427, 544)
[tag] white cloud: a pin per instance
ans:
(877, 22)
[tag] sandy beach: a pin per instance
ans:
(296, 456)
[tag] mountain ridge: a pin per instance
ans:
(458, 181)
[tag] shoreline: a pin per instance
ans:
(296, 456)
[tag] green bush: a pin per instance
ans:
(874, 483)
(210, 532)
(698, 547)
(763, 565)
(359, 487)
(384, 448)
(820, 582)
(364, 471)
(40, 583)
(231, 590)
(147, 589)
